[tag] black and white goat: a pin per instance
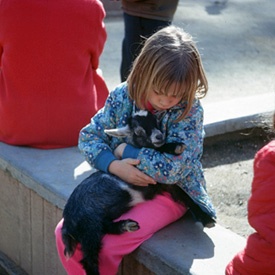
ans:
(101, 198)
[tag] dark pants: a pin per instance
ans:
(135, 30)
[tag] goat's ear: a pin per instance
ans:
(119, 132)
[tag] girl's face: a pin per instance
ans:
(160, 101)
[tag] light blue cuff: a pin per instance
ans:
(130, 152)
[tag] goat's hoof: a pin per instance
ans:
(179, 149)
(210, 225)
(130, 226)
(209, 222)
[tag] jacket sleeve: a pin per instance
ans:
(94, 144)
(167, 168)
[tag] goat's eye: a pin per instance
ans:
(139, 131)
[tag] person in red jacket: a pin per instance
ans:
(49, 81)
(258, 257)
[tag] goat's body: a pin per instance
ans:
(91, 210)
(93, 205)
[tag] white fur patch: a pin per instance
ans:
(135, 195)
(141, 113)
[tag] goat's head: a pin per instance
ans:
(142, 130)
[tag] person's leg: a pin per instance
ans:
(150, 26)
(130, 40)
(152, 216)
(135, 30)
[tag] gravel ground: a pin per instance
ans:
(228, 164)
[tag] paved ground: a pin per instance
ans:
(228, 165)
(236, 40)
(237, 43)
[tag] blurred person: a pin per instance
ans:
(258, 256)
(50, 85)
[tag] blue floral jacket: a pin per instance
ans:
(184, 170)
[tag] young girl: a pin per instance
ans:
(167, 79)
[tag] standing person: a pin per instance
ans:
(49, 80)
(258, 256)
(167, 79)
(141, 19)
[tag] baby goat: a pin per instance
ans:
(102, 198)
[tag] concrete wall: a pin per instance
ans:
(27, 228)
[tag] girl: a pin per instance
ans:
(167, 79)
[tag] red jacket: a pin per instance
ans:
(49, 54)
(258, 257)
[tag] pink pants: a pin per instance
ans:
(151, 216)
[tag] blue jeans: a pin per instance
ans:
(135, 30)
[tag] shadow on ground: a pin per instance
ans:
(228, 165)
(234, 147)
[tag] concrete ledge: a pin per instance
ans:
(184, 248)
(238, 113)
(51, 175)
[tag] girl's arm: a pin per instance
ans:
(97, 147)
(93, 143)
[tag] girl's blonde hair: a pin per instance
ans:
(168, 57)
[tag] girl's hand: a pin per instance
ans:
(118, 152)
(126, 170)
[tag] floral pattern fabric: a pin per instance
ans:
(184, 169)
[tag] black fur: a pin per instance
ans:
(101, 198)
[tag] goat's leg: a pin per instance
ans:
(172, 148)
(70, 244)
(179, 195)
(90, 247)
(201, 216)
